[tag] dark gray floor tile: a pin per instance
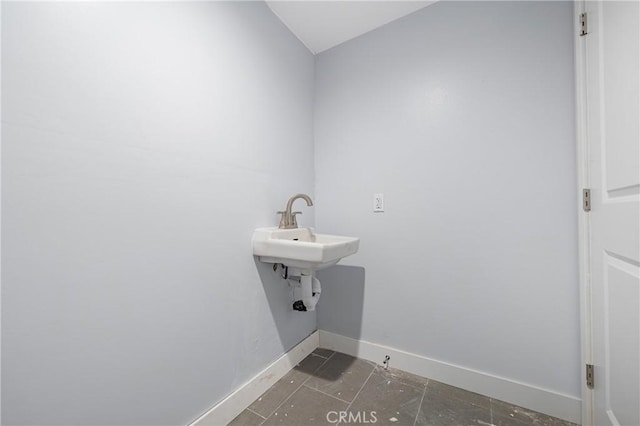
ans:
(246, 418)
(323, 352)
(283, 388)
(459, 394)
(276, 394)
(402, 377)
(505, 414)
(393, 402)
(341, 376)
(446, 405)
(300, 398)
(306, 407)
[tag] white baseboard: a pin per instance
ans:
(227, 409)
(542, 400)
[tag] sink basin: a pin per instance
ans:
(301, 247)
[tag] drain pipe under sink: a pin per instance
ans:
(311, 290)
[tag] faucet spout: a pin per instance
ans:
(288, 218)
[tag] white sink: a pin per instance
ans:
(301, 247)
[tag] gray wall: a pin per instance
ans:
(142, 144)
(462, 115)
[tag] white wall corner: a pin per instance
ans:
(227, 409)
(522, 394)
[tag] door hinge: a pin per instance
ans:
(586, 199)
(583, 24)
(590, 380)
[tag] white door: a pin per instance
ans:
(612, 66)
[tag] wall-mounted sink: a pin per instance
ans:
(301, 247)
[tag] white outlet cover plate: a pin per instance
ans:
(378, 202)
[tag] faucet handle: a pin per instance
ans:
(283, 221)
(294, 222)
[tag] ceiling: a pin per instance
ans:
(321, 25)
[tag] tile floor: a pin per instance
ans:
(326, 383)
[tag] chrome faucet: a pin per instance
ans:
(288, 218)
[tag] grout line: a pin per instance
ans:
(257, 414)
(322, 356)
(359, 390)
(420, 405)
(296, 389)
(324, 393)
(491, 410)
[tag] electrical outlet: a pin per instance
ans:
(378, 202)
